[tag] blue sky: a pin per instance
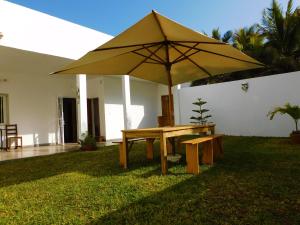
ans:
(114, 16)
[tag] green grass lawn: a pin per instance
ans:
(257, 182)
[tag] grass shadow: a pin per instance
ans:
(254, 184)
(103, 162)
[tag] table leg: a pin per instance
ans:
(124, 153)
(218, 148)
(212, 130)
(149, 143)
(163, 154)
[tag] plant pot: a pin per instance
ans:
(88, 148)
(295, 137)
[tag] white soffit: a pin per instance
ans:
(30, 30)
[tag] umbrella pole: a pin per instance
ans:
(171, 108)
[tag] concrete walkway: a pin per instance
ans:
(36, 151)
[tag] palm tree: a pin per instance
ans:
(282, 31)
(227, 37)
(292, 111)
(249, 40)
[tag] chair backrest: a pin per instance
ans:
(11, 129)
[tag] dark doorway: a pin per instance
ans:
(70, 120)
(93, 117)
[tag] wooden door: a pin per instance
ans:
(70, 120)
(93, 117)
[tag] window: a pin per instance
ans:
(3, 109)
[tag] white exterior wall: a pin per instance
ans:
(236, 112)
(33, 105)
(143, 108)
(95, 89)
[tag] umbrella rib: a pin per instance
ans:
(159, 25)
(218, 54)
(143, 61)
(157, 61)
(192, 61)
(187, 51)
(142, 48)
(185, 57)
(157, 43)
(160, 59)
(153, 63)
(128, 46)
(201, 42)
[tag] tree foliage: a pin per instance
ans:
(201, 117)
(292, 110)
(274, 42)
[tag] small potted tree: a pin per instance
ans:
(201, 117)
(87, 142)
(294, 112)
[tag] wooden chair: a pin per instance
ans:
(11, 134)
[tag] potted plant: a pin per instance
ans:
(87, 142)
(294, 112)
(201, 118)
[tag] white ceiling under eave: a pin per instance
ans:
(30, 30)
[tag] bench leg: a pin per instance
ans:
(218, 148)
(208, 153)
(192, 159)
(149, 149)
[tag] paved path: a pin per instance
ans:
(36, 151)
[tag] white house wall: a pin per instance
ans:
(236, 112)
(33, 104)
(95, 89)
(143, 109)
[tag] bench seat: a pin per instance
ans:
(212, 149)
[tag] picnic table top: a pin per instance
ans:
(169, 128)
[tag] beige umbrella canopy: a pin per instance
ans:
(160, 50)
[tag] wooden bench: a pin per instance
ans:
(149, 149)
(212, 149)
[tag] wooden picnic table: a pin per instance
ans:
(161, 133)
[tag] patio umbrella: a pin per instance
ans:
(160, 50)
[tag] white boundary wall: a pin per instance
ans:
(236, 112)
